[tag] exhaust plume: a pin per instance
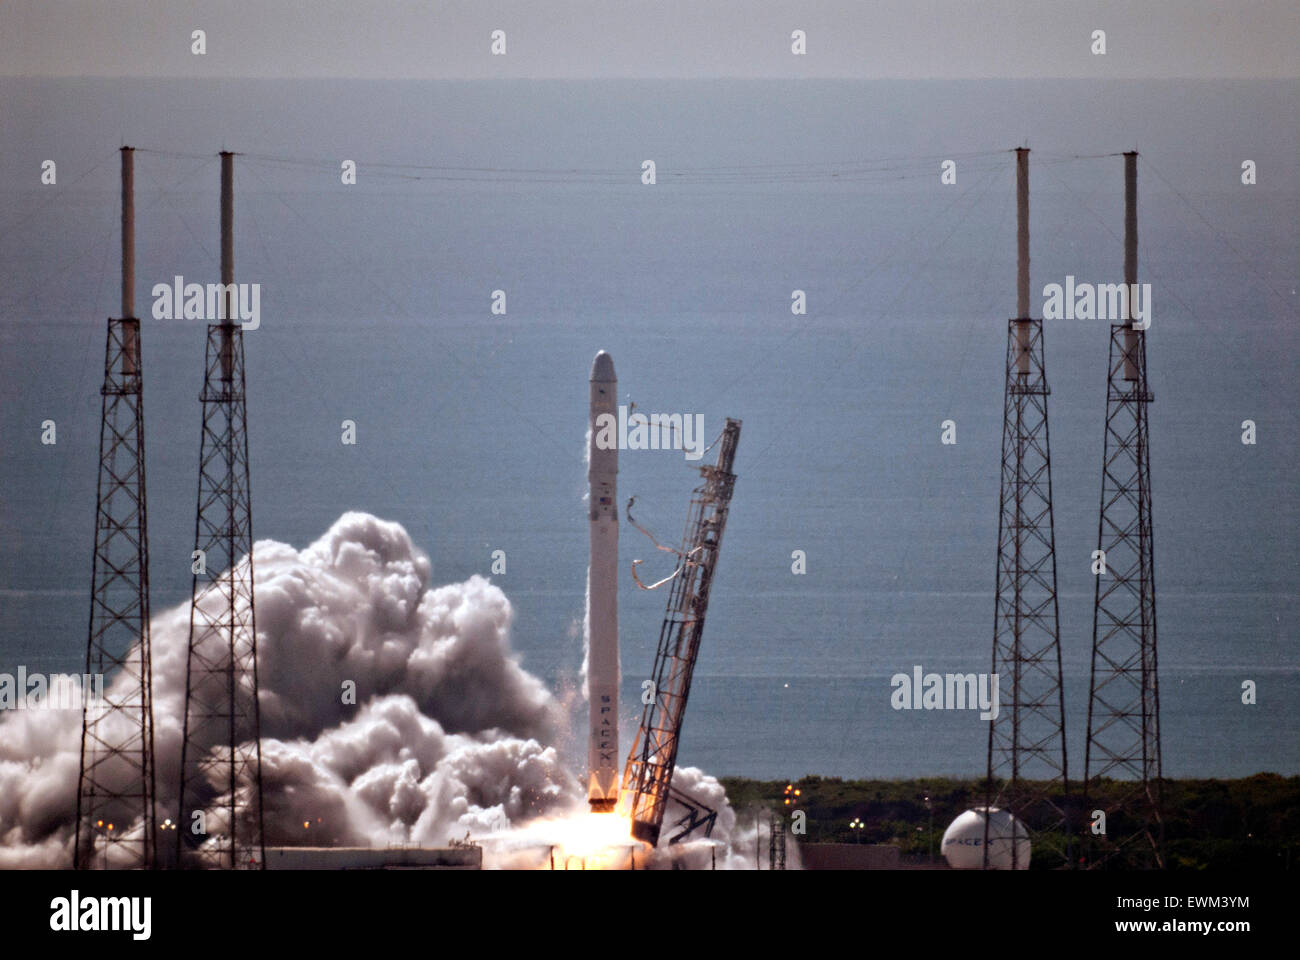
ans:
(392, 711)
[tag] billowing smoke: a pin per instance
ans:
(446, 734)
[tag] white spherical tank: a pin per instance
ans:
(963, 841)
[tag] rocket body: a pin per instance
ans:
(602, 591)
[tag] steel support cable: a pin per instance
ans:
(1214, 230)
(847, 724)
(366, 278)
(58, 272)
(803, 328)
(63, 467)
(56, 194)
(895, 160)
(667, 177)
(858, 161)
(61, 269)
(250, 208)
(976, 196)
(174, 154)
(986, 182)
(166, 195)
(858, 169)
(261, 239)
(1221, 344)
(258, 233)
(793, 171)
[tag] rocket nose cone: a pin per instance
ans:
(602, 369)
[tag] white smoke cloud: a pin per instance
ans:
(448, 735)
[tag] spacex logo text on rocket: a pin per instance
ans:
(658, 431)
(606, 732)
(602, 593)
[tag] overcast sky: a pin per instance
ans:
(651, 38)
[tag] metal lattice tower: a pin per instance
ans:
(1124, 698)
(115, 826)
(221, 753)
(647, 776)
(776, 842)
(1027, 759)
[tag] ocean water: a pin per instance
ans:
(375, 308)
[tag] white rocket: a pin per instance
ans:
(602, 595)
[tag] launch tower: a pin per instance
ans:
(115, 788)
(221, 753)
(1124, 697)
(647, 777)
(1026, 749)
